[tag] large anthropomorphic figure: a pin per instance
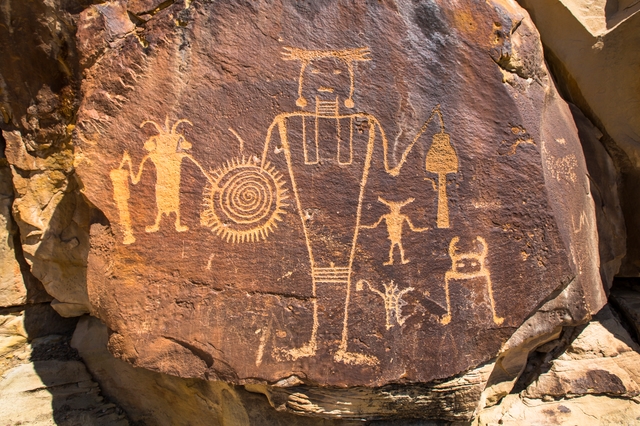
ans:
(328, 152)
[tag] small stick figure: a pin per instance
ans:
(393, 301)
(395, 221)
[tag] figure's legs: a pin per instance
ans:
(180, 228)
(402, 259)
(128, 237)
(156, 226)
(390, 262)
(446, 319)
(306, 350)
(496, 319)
(342, 354)
(309, 348)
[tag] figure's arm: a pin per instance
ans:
(373, 289)
(375, 225)
(126, 159)
(395, 171)
(204, 172)
(135, 179)
(278, 121)
(413, 228)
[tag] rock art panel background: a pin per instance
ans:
(348, 193)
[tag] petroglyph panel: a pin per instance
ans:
(332, 194)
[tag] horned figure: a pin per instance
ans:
(466, 266)
(395, 221)
(166, 150)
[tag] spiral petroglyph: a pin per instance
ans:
(245, 201)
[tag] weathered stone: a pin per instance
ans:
(38, 72)
(30, 322)
(151, 397)
(159, 399)
(330, 194)
(625, 296)
(42, 381)
(38, 103)
(586, 410)
(12, 289)
(602, 360)
(17, 285)
(603, 179)
(54, 392)
(53, 220)
(595, 380)
(240, 308)
(593, 47)
(455, 399)
(12, 332)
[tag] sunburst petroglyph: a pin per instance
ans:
(244, 202)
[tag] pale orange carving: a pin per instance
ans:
(477, 262)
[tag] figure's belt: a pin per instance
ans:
(331, 275)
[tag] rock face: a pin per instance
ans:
(604, 178)
(593, 47)
(352, 195)
(626, 297)
(575, 384)
(12, 289)
(38, 104)
(602, 359)
(345, 210)
(160, 399)
(45, 383)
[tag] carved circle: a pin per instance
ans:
(246, 195)
(244, 202)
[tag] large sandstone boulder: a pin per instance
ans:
(349, 195)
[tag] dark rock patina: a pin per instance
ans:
(353, 194)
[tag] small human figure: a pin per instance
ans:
(395, 221)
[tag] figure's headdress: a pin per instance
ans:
(477, 255)
(348, 56)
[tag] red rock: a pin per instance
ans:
(355, 195)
